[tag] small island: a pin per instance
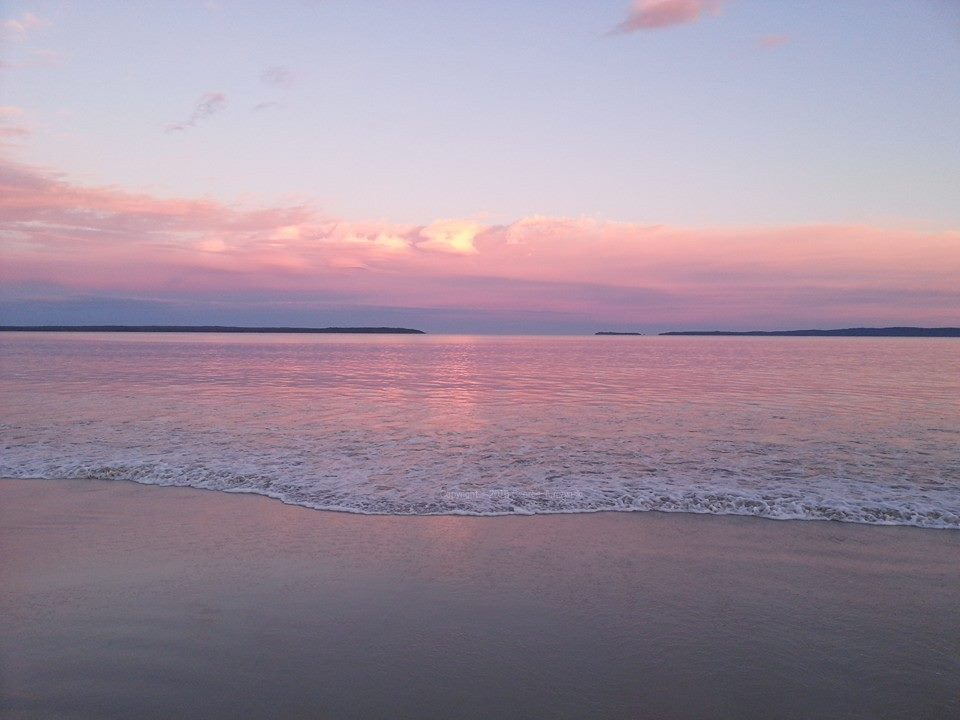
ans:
(840, 332)
(207, 329)
(612, 332)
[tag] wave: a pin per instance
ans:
(582, 497)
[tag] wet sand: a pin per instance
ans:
(121, 601)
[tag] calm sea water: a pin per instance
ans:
(860, 430)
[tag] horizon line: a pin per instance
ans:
(862, 331)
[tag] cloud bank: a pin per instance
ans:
(61, 243)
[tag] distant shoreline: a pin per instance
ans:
(208, 329)
(841, 332)
(947, 332)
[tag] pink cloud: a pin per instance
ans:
(655, 14)
(92, 241)
(14, 132)
(10, 134)
(20, 27)
(774, 41)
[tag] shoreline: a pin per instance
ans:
(123, 600)
(280, 497)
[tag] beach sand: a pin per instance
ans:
(128, 601)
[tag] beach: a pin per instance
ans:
(122, 600)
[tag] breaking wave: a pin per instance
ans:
(595, 495)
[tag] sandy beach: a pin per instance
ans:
(121, 600)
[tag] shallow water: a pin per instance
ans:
(853, 429)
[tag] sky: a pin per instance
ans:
(555, 167)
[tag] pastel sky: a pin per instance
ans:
(481, 166)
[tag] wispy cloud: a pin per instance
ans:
(278, 75)
(774, 41)
(14, 132)
(13, 136)
(142, 247)
(270, 104)
(35, 59)
(20, 27)
(48, 57)
(656, 14)
(209, 104)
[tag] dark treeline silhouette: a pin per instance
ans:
(206, 329)
(841, 332)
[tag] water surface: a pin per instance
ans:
(854, 429)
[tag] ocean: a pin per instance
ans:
(851, 429)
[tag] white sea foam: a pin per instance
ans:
(418, 494)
